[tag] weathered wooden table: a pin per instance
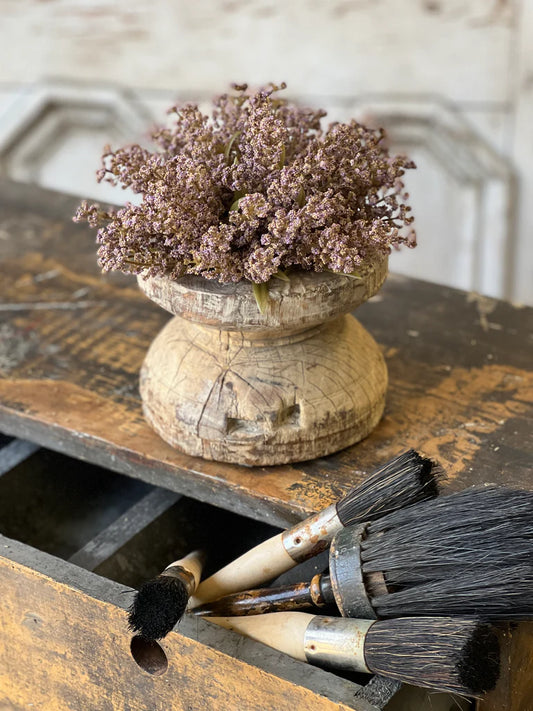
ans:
(71, 345)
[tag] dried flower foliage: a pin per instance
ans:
(255, 189)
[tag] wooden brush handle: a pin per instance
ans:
(257, 602)
(264, 562)
(317, 593)
(284, 631)
(272, 557)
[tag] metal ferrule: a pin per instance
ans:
(315, 591)
(337, 642)
(312, 536)
(346, 573)
(186, 577)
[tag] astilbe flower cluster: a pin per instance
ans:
(256, 189)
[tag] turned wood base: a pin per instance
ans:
(261, 398)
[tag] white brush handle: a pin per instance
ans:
(264, 562)
(193, 563)
(334, 642)
(284, 631)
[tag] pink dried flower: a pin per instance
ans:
(256, 188)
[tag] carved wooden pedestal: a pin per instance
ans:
(225, 382)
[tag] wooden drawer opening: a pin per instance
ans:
(77, 540)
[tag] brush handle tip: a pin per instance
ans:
(264, 562)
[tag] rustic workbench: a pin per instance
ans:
(72, 342)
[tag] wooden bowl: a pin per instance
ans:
(303, 379)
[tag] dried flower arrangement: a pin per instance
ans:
(255, 190)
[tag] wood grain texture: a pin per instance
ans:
(66, 646)
(72, 343)
(306, 300)
(297, 380)
(220, 395)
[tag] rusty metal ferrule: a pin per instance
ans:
(312, 536)
(181, 573)
(347, 581)
(315, 590)
(337, 642)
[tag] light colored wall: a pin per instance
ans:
(451, 80)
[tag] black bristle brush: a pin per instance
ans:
(457, 655)
(160, 603)
(469, 553)
(402, 481)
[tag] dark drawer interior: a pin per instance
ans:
(60, 505)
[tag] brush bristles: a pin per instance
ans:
(470, 508)
(158, 606)
(470, 531)
(492, 592)
(404, 480)
(454, 655)
(413, 560)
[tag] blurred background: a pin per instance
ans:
(450, 80)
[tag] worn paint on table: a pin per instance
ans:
(460, 379)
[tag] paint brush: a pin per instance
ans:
(160, 603)
(402, 481)
(468, 553)
(457, 655)
(284, 598)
